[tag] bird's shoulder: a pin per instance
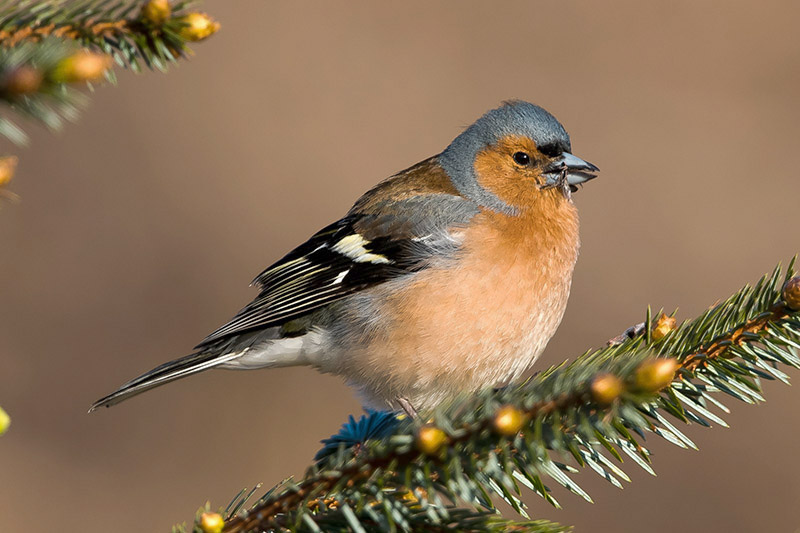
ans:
(426, 178)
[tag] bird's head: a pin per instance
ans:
(512, 154)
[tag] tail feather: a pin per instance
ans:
(177, 369)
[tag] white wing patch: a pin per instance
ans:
(353, 246)
(340, 277)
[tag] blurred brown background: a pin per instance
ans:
(142, 224)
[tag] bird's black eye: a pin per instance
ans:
(521, 158)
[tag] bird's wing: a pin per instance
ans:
(367, 247)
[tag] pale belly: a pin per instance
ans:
(457, 330)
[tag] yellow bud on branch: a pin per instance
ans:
(5, 421)
(430, 439)
(509, 420)
(791, 293)
(81, 66)
(197, 26)
(606, 388)
(655, 374)
(8, 165)
(156, 11)
(664, 325)
(211, 522)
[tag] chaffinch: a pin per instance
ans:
(447, 277)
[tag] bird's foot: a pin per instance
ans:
(406, 406)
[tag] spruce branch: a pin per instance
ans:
(46, 46)
(588, 413)
(32, 88)
(132, 32)
(405, 514)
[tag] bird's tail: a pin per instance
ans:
(179, 368)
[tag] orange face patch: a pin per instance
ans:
(515, 183)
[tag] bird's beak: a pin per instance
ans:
(569, 170)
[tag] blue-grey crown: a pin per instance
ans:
(512, 118)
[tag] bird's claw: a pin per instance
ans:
(406, 406)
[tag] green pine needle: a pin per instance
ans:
(573, 419)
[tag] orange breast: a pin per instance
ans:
(479, 319)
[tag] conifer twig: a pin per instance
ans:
(46, 46)
(600, 404)
(14, 35)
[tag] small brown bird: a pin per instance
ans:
(448, 277)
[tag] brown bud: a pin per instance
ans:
(5, 421)
(197, 26)
(430, 439)
(156, 11)
(664, 325)
(24, 79)
(8, 165)
(655, 374)
(211, 522)
(81, 66)
(791, 293)
(508, 420)
(606, 388)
